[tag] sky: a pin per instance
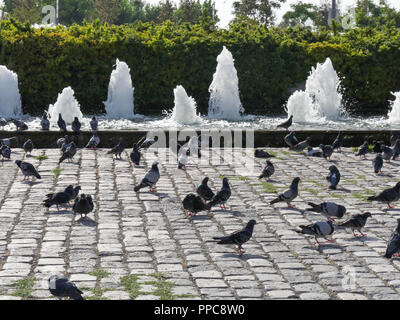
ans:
(224, 8)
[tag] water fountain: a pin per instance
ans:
(10, 99)
(224, 102)
(119, 102)
(321, 100)
(185, 109)
(67, 105)
(394, 113)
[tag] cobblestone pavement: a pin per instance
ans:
(142, 245)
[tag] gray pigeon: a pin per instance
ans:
(387, 153)
(313, 153)
(5, 152)
(329, 209)
(9, 142)
(222, 196)
(396, 149)
(193, 204)
(377, 146)
(63, 141)
(286, 124)
(83, 205)
(318, 229)
(45, 123)
(378, 163)
(118, 149)
(94, 141)
(27, 169)
(150, 179)
(333, 177)
(145, 143)
(338, 143)
(61, 123)
(61, 287)
(268, 171)
(59, 198)
(239, 237)
(258, 153)
(135, 155)
(393, 247)
(20, 125)
(363, 150)
(356, 222)
(204, 191)
(28, 146)
(301, 145)
(94, 124)
(76, 126)
(289, 195)
(327, 151)
(69, 153)
(3, 123)
(388, 195)
(291, 139)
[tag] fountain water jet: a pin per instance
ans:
(394, 113)
(67, 105)
(10, 98)
(119, 102)
(224, 102)
(185, 109)
(321, 99)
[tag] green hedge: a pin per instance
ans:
(270, 62)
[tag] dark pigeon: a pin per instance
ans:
(118, 149)
(356, 222)
(338, 143)
(378, 163)
(222, 196)
(9, 142)
(27, 169)
(5, 152)
(291, 139)
(388, 195)
(135, 155)
(150, 179)
(313, 153)
(318, 229)
(377, 146)
(387, 153)
(59, 198)
(69, 153)
(363, 150)
(20, 125)
(93, 142)
(28, 146)
(330, 210)
(301, 145)
(268, 171)
(94, 124)
(45, 123)
(289, 195)
(75, 192)
(394, 243)
(83, 205)
(262, 154)
(239, 237)
(145, 143)
(76, 126)
(396, 149)
(61, 287)
(327, 151)
(204, 191)
(333, 177)
(286, 124)
(63, 141)
(393, 138)
(61, 123)
(193, 204)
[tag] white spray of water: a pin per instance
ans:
(224, 102)
(394, 113)
(67, 105)
(10, 99)
(119, 102)
(185, 109)
(321, 99)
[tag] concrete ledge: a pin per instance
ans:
(262, 138)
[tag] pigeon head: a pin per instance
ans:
(309, 148)
(269, 163)
(59, 116)
(69, 189)
(291, 117)
(333, 168)
(205, 180)
(83, 196)
(78, 188)
(296, 180)
(397, 186)
(225, 182)
(18, 162)
(252, 222)
(44, 115)
(76, 119)
(155, 165)
(321, 146)
(368, 215)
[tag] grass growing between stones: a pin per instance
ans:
(97, 294)
(41, 157)
(164, 288)
(100, 273)
(56, 172)
(24, 287)
(131, 285)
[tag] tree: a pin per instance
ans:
(300, 13)
(167, 10)
(208, 18)
(23, 10)
(188, 11)
(105, 11)
(258, 10)
(74, 11)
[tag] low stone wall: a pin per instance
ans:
(262, 138)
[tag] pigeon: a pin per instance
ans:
(363, 150)
(327, 151)
(45, 123)
(338, 143)
(356, 222)
(20, 125)
(377, 146)
(69, 153)
(93, 142)
(65, 146)
(145, 143)
(76, 126)
(9, 142)
(289, 195)
(329, 209)
(193, 204)
(239, 237)
(268, 171)
(135, 155)
(262, 154)
(388, 195)
(75, 192)
(301, 145)
(393, 247)
(183, 158)
(61, 123)
(378, 163)
(28, 146)
(396, 149)
(63, 141)
(313, 153)
(204, 191)
(393, 138)
(291, 139)
(150, 179)
(387, 153)
(286, 124)
(221, 196)
(5, 152)
(118, 149)
(318, 229)
(61, 287)
(94, 124)
(27, 169)
(3, 123)
(83, 205)
(59, 198)
(333, 177)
